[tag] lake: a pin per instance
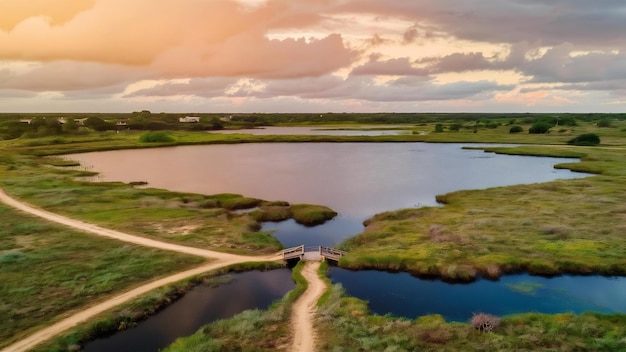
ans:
(357, 180)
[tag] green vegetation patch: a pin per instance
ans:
(345, 321)
(311, 215)
(156, 137)
(252, 330)
(130, 314)
(565, 226)
(48, 270)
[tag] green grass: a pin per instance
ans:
(346, 322)
(252, 330)
(311, 215)
(130, 314)
(565, 226)
(206, 221)
(47, 271)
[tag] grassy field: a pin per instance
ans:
(47, 271)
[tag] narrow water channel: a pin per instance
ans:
(200, 306)
(406, 296)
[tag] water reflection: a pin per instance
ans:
(356, 179)
(197, 308)
(403, 295)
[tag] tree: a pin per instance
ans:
(587, 139)
(516, 129)
(98, 124)
(540, 128)
(438, 127)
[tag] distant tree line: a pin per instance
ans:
(41, 125)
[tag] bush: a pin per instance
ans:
(156, 137)
(516, 129)
(587, 139)
(438, 127)
(604, 123)
(540, 128)
(485, 322)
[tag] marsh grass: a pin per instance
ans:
(311, 215)
(47, 271)
(130, 314)
(345, 321)
(564, 226)
(252, 330)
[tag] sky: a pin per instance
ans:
(313, 56)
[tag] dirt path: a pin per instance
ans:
(121, 236)
(304, 310)
(222, 260)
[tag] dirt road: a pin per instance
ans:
(304, 310)
(142, 241)
(221, 260)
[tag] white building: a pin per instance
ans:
(189, 119)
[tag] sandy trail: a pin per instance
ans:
(304, 310)
(222, 260)
(121, 236)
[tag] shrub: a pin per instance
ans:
(156, 137)
(587, 139)
(604, 123)
(516, 129)
(485, 322)
(438, 127)
(540, 128)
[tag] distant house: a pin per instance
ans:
(27, 121)
(121, 123)
(189, 119)
(62, 120)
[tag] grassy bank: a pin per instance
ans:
(205, 221)
(345, 321)
(47, 271)
(252, 330)
(130, 314)
(565, 226)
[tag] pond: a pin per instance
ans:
(357, 180)
(200, 306)
(406, 296)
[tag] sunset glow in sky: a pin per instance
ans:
(313, 55)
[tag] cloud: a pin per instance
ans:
(191, 37)
(201, 87)
(56, 13)
(391, 67)
(69, 76)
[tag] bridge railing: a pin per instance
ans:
(294, 252)
(331, 253)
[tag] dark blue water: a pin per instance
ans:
(404, 295)
(200, 306)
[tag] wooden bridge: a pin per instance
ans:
(312, 253)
